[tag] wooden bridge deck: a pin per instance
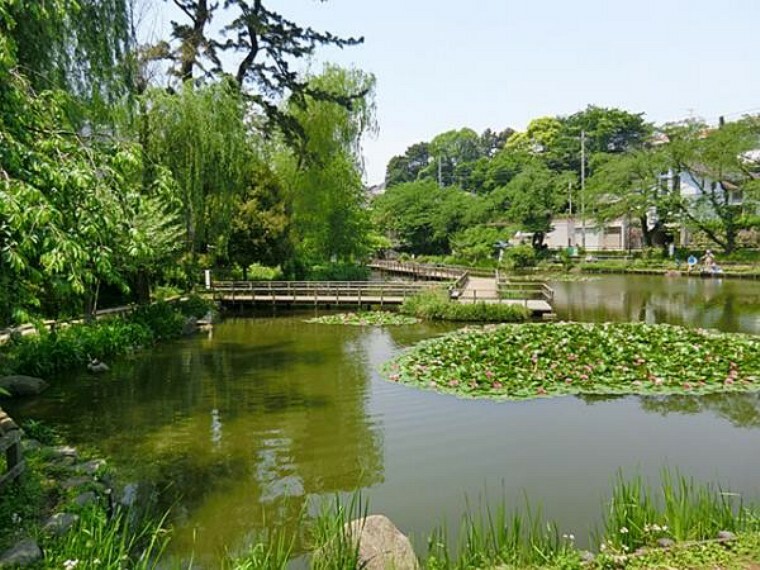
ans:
(323, 293)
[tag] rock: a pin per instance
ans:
(31, 444)
(65, 451)
(86, 499)
(97, 367)
(726, 535)
(672, 273)
(665, 542)
(23, 553)
(190, 327)
(381, 544)
(586, 556)
(19, 385)
(74, 482)
(60, 523)
(91, 467)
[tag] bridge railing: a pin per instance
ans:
(532, 290)
(337, 291)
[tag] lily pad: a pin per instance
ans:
(518, 362)
(374, 318)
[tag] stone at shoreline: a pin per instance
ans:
(74, 482)
(86, 499)
(65, 451)
(23, 553)
(97, 367)
(587, 557)
(381, 544)
(665, 542)
(672, 273)
(726, 535)
(20, 385)
(91, 467)
(60, 523)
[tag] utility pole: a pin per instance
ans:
(583, 189)
(570, 221)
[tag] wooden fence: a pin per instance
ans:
(10, 444)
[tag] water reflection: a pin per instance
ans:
(234, 429)
(728, 305)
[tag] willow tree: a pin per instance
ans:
(323, 174)
(82, 47)
(201, 136)
(258, 47)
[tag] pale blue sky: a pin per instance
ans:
(448, 64)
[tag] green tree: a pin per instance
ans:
(723, 168)
(323, 174)
(201, 136)
(535, 195)
(634, 184)
(420, 217)
(407, 167)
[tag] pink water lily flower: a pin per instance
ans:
(496, 385)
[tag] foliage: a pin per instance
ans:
(631, 185)
(722, 165)
(477, 243)
(534, 360)
(49, 352)
(78, 46)
(420, 216)
(109, 542)
(337, 272)
(520, 257)
(373, 318)
(200, 135)
(269, 43)
(435, 305)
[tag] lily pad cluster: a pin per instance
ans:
(375, 318)
(537, 360)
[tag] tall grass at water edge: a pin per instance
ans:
(435, 305)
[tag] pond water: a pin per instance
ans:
(268, 414)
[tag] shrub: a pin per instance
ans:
(161, 318)
(435, 305)
(520, 257)
(338, 272)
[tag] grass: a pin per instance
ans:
(47, 352)
(435, 305)
(538, 360)
(635, 517)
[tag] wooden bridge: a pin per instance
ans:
(464, 286)
(318, 293)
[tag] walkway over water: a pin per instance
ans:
(324, 293)
(465, 286)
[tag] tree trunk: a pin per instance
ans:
(142, 287)
(537, 241)
(646, 234)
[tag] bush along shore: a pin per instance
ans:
(435, 305)
(51, 351)
(364, 319)
(534, 360)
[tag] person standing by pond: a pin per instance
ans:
(708, 261)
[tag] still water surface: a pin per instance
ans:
(267, 415)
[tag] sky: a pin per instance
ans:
(445, 64)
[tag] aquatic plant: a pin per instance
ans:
(435, 305)
(534, 360)
(373, 318)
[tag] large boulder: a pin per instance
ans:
(381, 544)
(19, 385)
(24, 553)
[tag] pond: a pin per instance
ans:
(266, 415)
